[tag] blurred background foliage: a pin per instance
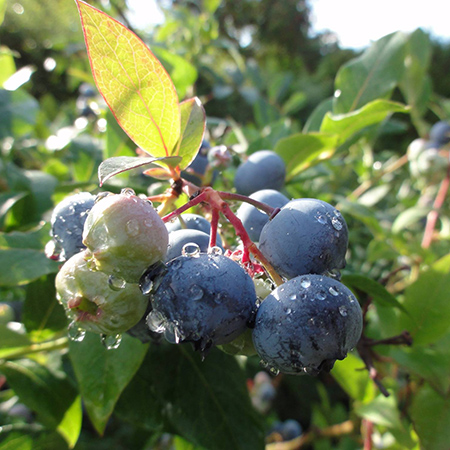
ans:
(262, 77)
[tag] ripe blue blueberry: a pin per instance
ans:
(198, 166)
(262, 170)
(252, 218)
(207, 300)
(192, 222)
(192, 241)
(306, 236)
(67, 222)
(440, 133)
(290, 429)
(306, 324)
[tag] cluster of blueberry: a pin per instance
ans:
(127, 270)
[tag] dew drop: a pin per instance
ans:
(293, 297)
(321, 218)
(274, 371)
(190, 249)
(101, 196)
(343, 310)
(128, 192)
(132, 227)
(148, 223)
(149, 202)
(288, 311)
(195, 292)
(351, 299)
(156, 322)
(305, 283)
(99, 300)
(215, 251)
(321, 295)
(333, 291)
(75, 333)
(263, 363)
(337, 224)
(111, 341)
(173, 334)
(116, 283)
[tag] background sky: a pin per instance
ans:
(355, 22)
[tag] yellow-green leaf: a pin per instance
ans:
(133, 82)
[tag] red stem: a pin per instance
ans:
(195, 201)
(434, 214)
(269, 210)
(214, 223)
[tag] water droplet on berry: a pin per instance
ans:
(263, 363)
(333, 291)
(343, 310)
(293, 297)
(148, 223)
(132, 227)
(337, 224)
(305, 283)
(128, 192)
(75, 333)
(116, 283)
(215, 251)
(112, 341)
(321, 295)
(321, 218)
(351, 299)
(173, 334)
(288, 311)
(274, 371)
(156, 321)
(190, 249)
(195, 292)
(101, 196)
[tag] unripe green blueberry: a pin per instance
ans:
(125, 235)
(95, 301)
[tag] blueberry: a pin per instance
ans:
(262, 170)
(192, 222)
(67, 222)
(178, 239)
(95, 301)
(306, 324)
(252, 218)
(440, 133)
(198, 166)
(207, 300)
(306, 236)
(125, 235)
(290, 429)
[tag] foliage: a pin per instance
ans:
(343, 135)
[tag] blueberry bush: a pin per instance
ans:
(176, 279)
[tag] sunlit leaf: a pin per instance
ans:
(301, 151)
(192, 130)
(119, 164)
(371, 76)
(133, 82)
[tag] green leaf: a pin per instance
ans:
(346, 125)
(42, 312)
(409, 217)
(18, 113)
(352, 377)
(294, 103)
(119, 164)
(430, 413)
(11, 339)
(431, 363)
(371, 76)
(16, 441)
(103, 374)
(193, 123)
(315, 119)
(132, 81)
(376, 290)
(211, 5)
(117, 141)
(35, 239)
(7, 65)
(182, 72)
(416, 85)
(24, 265)
(427, 303)
(50, 395)
(215, 389)
(301, 151)
(381, 411)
